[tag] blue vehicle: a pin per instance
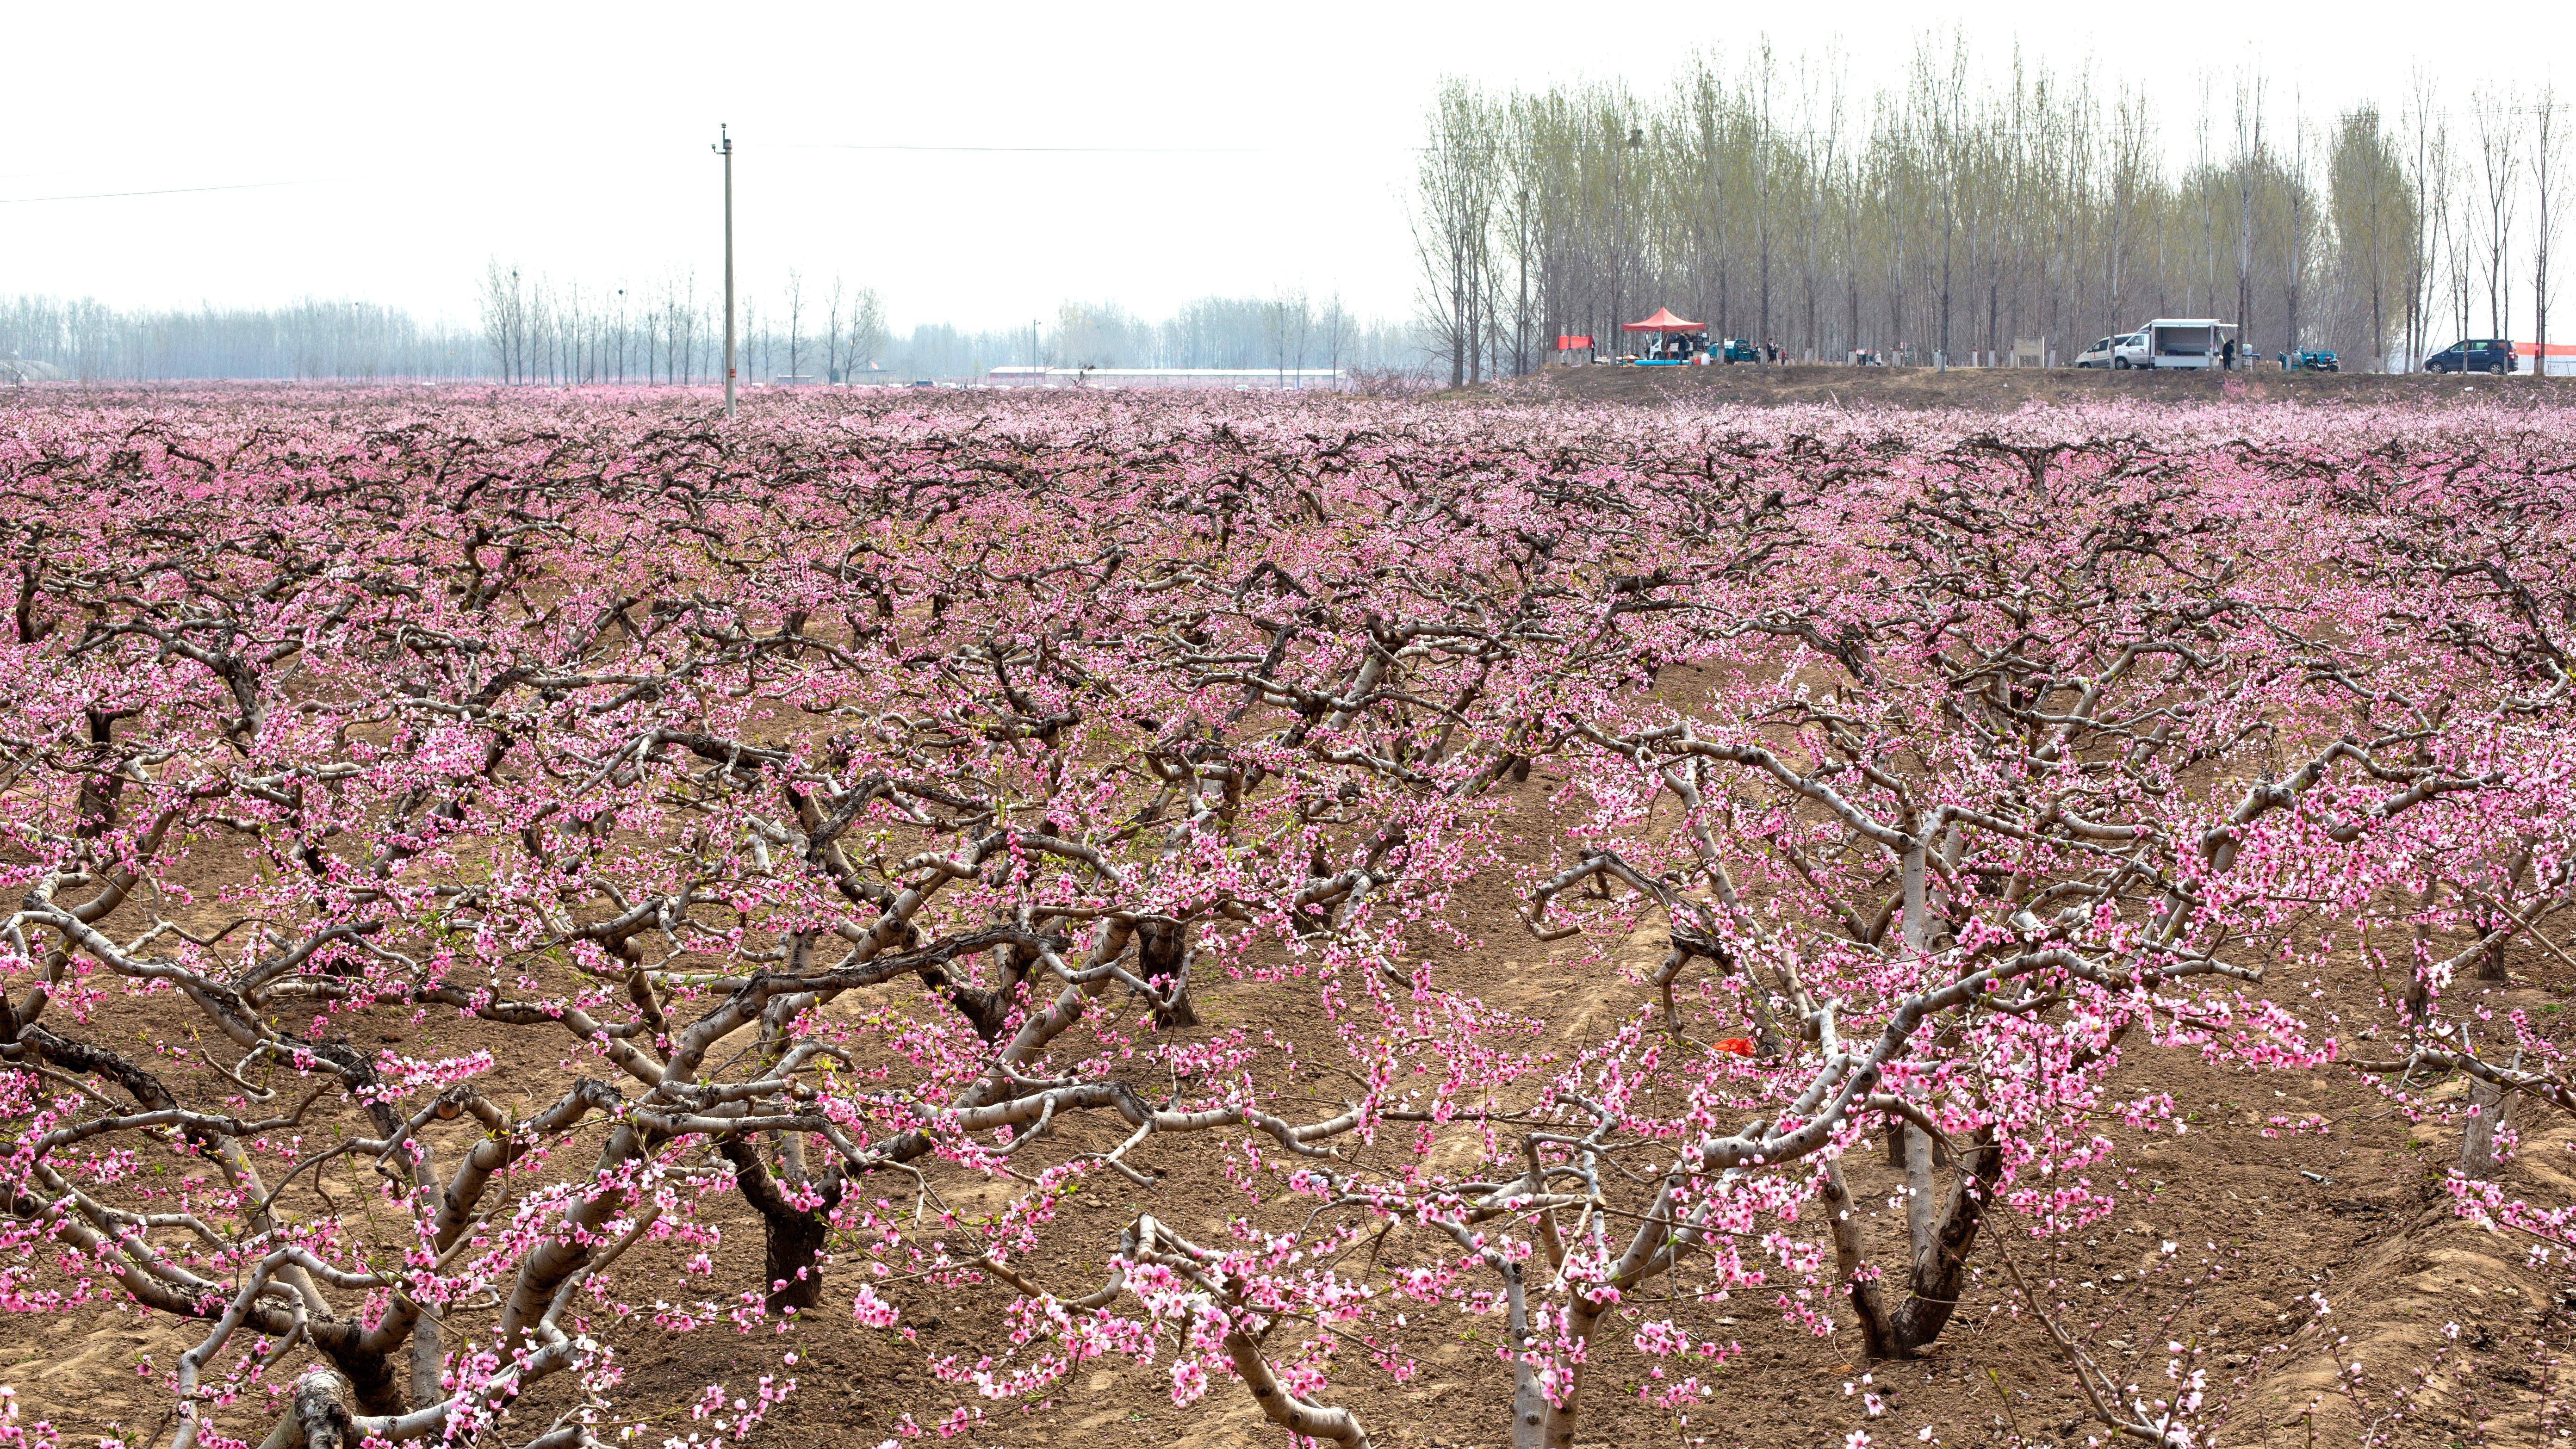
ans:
(2316, 359)
(2494, 354)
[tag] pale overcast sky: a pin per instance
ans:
(415, 142)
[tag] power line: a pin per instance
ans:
(165, 191)
(1058, 150)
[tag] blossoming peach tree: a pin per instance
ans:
(461, 859)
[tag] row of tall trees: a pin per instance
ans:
(1958, 214)
(527, 330)
(1287, 330)
(534, 330)
(671, 333)
(837, 333)
(542, 331)
(88, 340)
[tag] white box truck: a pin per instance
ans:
(2184, 342)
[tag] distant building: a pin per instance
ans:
(1260, 378)
(2561, 361)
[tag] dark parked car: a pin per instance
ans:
(2488, 355)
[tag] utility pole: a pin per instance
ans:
(724, 148)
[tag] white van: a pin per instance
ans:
(2122, 353)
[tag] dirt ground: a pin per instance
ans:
(2265, 1222)
(2309, 1230)
(2007, 389)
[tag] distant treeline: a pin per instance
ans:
(89, 340)
(530, 330)
(1288, 329)
(1957, 215)
(834, 332)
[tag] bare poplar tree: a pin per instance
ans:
(2463, 270)
(2249, 156)
(500, 303)
(2548, 136)
(2294, 233)
(2373, 220)
(1517, 190)
(1816, 162)
(2499, 126)
(1453, 214)
(832, 302)
(795, 321)
(683, 303)
(2132, 187)
(1335, 325)
(1940, 89)
(2429, 179)
(866, 339)
(1761, 75)
(2204, 174)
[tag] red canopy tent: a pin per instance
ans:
(1663, 321)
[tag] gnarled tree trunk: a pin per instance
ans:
(793, 1235)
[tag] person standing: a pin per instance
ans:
(2227, 354)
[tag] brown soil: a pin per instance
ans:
(2007, 389)
(2264, 1222)
(2259, 1223)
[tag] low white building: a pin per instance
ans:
(2561, 361)
(1258, 378)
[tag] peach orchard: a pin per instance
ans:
(860, 817)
